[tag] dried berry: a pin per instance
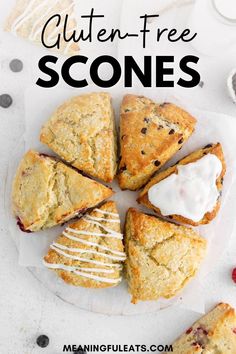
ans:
(142, 152)
(189, 330)
(146, 120)
(144, 130)
(234, 275)
(181, 141)
(171, 132)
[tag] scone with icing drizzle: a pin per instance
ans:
(82, 132)
(90, 251)
(161, 257)
(46, 192)
(214, 333)
(28, 18)
(189, 192)
(150, 134)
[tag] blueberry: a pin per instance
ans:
(16, 65)
(5, 100)
(42, 341)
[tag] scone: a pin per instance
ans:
(46, 192)
(189, 192)
(161, 257)
(150, 134)
(28, 18)
(214, 333)
(82, 132)
(90, 252)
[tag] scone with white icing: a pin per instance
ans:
(214, 333)
(82, 132)
(161, 257)
(90, 251)
(46, 192)
(28, 18)
(150, 134)
(189, 192)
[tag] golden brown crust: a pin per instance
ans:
(82, 132)
(213, 333)
(161, 257)
(215, 149)
(46, 192)
(150, 134)
(72, 278)
(28, 18)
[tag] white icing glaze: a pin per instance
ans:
(86, 260)
(89, 243)
(37, 28)
(65, 251)
(82, 274)
(89, 251)
(87, 233)
(106, 212)
(192, 192)
(103, 219)
(72, 268)
(112, 232)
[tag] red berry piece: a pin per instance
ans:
(234, 275)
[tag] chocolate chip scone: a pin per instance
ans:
(47, 192)
(161, 257)
(90, 252)
(214, 333)
(82, 132)
(190, 196)
(28, 18)
(150, 134)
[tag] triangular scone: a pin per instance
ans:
(150, 134)
(28, 18)
(82, 132)
(190, 203)
(90, 252)
(47, 192)
(161, 257)
(214, 333)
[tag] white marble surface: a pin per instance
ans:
(26, 308)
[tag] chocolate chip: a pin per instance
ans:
(142, 152)
(164, 104)
(207, 146)
(144, 130)
(122, 169)
(146, 120)
(157, 163)
(181, 141)
(5, 100)
(16, 65)
(171, 132)
(160, 127)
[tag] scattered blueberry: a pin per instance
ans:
(42, 341)
(5, 100)
(16, 65)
